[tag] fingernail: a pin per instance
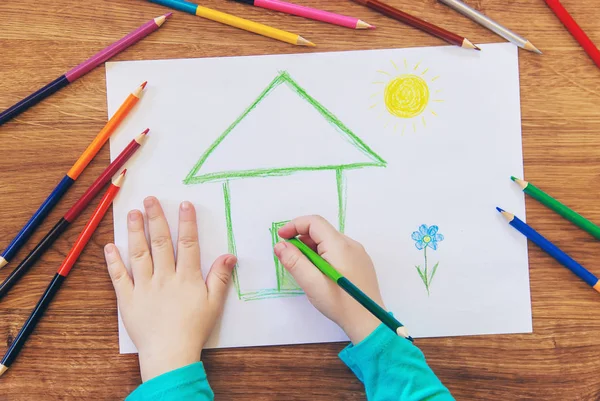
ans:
(279, 247)
(231, 261)
(149, 201)
(133, 215)
(185, 206)
(109, 249)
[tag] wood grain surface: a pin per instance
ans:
(73, 354)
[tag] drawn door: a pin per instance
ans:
(256, 208)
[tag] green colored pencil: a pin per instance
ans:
(558, 207)
(351, 289)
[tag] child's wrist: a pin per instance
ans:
(154, 365)
(361, 328)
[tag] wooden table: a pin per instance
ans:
(73, 353)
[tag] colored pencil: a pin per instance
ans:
(310, 13)
(551, 249)
(351, 289)
(72, 175)
(575, 30)
(83, 68)
(61, 274)
(558, 207)
(418, 23)
(234, 21)
(72, 214)
(490, 24)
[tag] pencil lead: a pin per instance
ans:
(529, 46)
(477, 48)
(139, 90)
(3, 262)
(161, 20)
(141, 138)
(363, 25)
(303, 42)
(119, 180)
(402, 332)
(499, 209)
(467, 44)
(522, 183)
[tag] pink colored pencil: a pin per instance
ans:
(116, 48)
(83, 68)
(308, 12)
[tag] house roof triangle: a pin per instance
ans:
(304, 152)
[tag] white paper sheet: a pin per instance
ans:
(441, 153)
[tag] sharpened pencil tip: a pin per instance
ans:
(499, 209)
(360, 24)
(3, 369)
(167, 15)
(146, 131)
(477, 48)
(144, 84)
(523, 184)
(117, 182)
(3, 262)
(529, 46)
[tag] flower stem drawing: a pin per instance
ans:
(427, 237)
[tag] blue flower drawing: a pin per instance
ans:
(427, 237)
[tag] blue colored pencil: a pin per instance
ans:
(551, 249)
(71, 176)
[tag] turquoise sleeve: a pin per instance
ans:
(186, 383)
(392, 368)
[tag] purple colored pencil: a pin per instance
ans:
(83, 68)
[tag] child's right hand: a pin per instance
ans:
(348, 257)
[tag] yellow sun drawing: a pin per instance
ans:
(407, 94)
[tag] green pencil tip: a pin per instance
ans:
(512, 177)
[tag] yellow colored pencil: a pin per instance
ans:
(236, 22)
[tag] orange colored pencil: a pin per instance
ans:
(110, 127)
(63, 186)
(61, 274)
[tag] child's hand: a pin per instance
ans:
(348, 257)
(167, 308)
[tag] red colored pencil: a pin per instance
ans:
(575, 30)
(62, 273)
(418, 23)
(69, 217)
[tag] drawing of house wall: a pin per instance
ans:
(285, 132)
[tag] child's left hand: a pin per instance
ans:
(167, 308)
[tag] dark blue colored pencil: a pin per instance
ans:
(34, 98)
(36, 220)
(552, 250)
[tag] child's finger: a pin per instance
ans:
(188, 249)
(309, 241)
(139, 253)
(304, 272)
(316, 227)
(218, 279)
(161, 243)
(118, 273)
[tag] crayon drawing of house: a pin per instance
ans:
(289, 142)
